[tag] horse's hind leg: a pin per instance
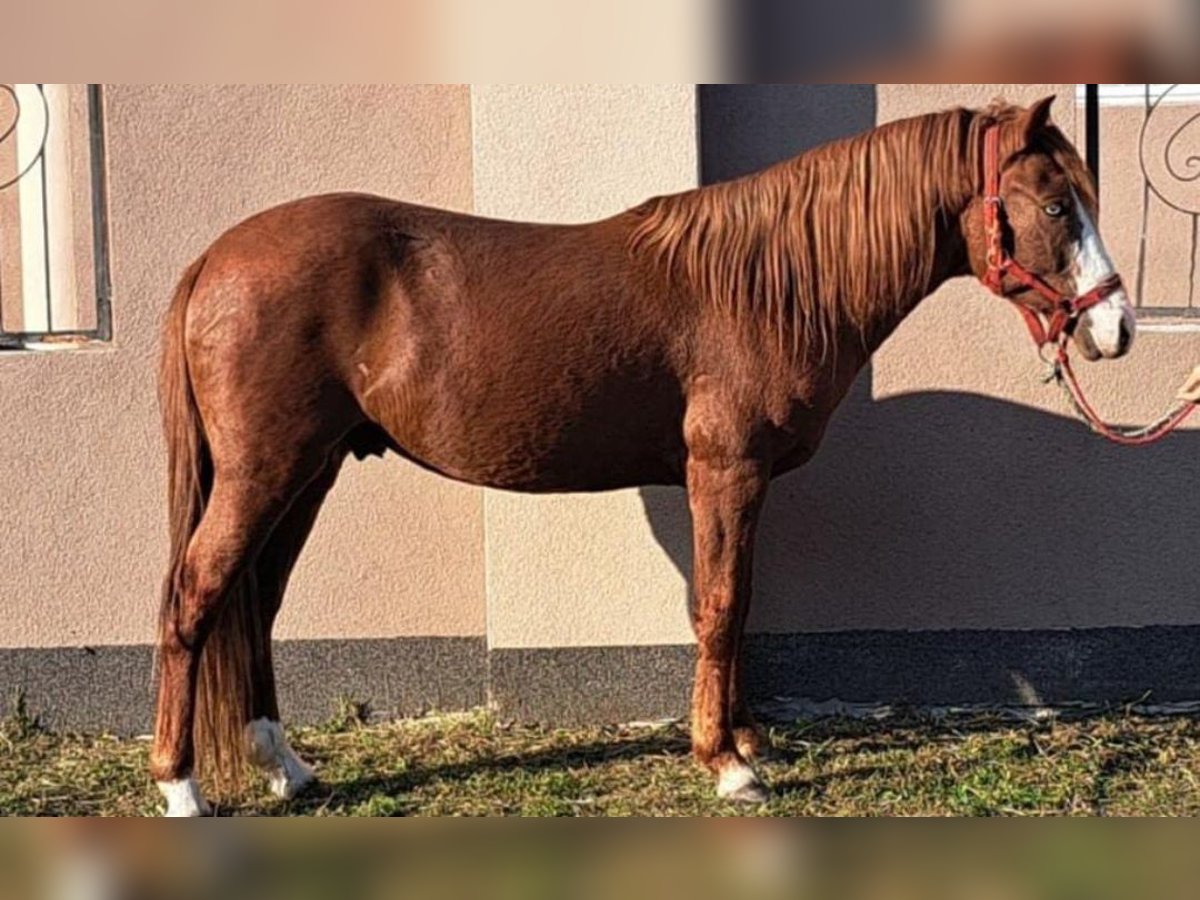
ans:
(243, 509)
(269, 747)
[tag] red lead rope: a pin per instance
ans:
(1061, 323)
(1064, 374)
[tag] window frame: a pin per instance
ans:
(98, 169)
(1093, 98)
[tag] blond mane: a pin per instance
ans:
(837, 237)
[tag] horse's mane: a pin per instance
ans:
(825, 241)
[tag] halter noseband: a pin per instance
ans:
(1067, 310)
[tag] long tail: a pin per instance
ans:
(234, 651)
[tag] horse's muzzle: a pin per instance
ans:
(1113, 339)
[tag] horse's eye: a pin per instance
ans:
(1056, 210)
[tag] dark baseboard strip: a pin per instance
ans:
(397, 678)
(110, 689)
(921, 669)
(581, 686)
(1028, 668)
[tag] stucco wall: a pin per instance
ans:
(397, 552)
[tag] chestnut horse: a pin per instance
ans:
(701, 340)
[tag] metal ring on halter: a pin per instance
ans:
(1054, 361)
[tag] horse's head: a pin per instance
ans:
(1033, 237)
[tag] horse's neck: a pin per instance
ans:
(892, 240)
(832, 246)
(821, 379)
(951, 263)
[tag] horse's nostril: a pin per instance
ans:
(1125, 341)
(1087, 345)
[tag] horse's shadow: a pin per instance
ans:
(802, 761)
(669, 742)
(945, 513)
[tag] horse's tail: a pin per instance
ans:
(235, 645)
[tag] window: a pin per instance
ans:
(1144, 144)
(54, 288)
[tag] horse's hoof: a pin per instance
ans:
(287, 774)
(751, 795)
(292, 779)
(184, 800)
(740, 785)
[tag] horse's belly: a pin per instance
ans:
(629, 439)
(595, 456)
(570, 395)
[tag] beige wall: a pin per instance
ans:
(953, 493)
(397, 552)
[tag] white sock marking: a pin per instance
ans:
(184, 800)
(735, 777)
(270, 751)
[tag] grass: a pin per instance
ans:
(472, 765)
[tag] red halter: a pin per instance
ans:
(1058, 329)
(1001, 265)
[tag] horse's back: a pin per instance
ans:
(518, 356)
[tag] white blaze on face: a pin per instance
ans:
(1093, 266)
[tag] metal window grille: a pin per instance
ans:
(1143, 143)
(54, 278)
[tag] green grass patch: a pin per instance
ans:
(474, 765)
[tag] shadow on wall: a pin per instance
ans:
(952, 511)
(747, 127)
(782, 41)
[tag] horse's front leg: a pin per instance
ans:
(751, 740)
(726, 496)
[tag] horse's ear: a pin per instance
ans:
(1037, 118)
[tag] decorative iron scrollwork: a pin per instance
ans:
(1170, 163)
(1171, 152)
(10, 131)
